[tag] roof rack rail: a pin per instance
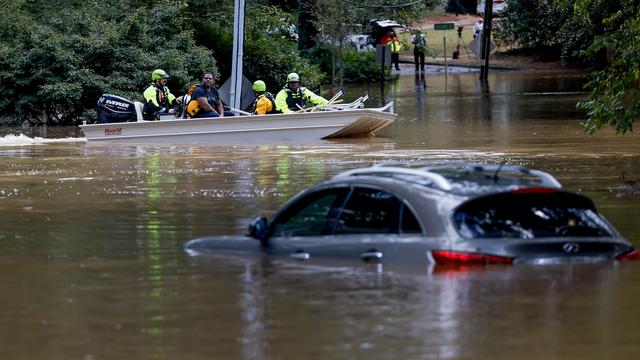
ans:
(437, 179)
(545, 178)
(445, 183)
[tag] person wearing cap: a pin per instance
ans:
(419, 49)
(391, 40)
(294, 97)
(264, 102)
(478, 28)
(158, 100)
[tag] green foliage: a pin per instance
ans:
(55, 67)
(615, 90)
(358, 65)
(336, 20)
(262, 62)
(268, 54)
(361, 66)
(551, 27)
(600, 33)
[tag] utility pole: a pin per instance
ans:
(235, 90)
(486, 39)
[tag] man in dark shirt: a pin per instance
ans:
(208, 99)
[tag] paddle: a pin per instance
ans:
(239, 111)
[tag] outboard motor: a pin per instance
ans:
(114, 109)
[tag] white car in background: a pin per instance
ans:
(499, 6)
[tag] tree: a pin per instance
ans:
(269, 52)
(615, 89)
(53, 68)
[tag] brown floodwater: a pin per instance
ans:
(91, 264)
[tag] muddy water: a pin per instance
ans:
(92, 266)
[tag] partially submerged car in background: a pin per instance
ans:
(379, 28)
(450, 214)
(498, 7)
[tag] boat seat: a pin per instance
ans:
(185, 101)
(139, 110)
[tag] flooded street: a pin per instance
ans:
(92, 265)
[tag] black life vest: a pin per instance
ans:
(295, 98)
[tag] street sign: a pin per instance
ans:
(383, 55)
(443, 26)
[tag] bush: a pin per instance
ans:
(359, 66)
(551, 27)
(54, 68)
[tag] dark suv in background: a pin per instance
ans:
(450, 214)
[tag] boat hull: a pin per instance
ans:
(297, 127)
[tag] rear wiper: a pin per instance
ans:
(495, 175)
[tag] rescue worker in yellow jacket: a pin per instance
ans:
(264, 102)
(294, 95)
(158, 100)
(391, 40)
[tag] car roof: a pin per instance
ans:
(458, 178)
(387, 23)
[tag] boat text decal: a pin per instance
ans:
(112, 131)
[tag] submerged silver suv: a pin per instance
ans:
(452, 214)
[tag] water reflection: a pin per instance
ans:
(451, 314)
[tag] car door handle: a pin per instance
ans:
(300, 255)
(371, 255)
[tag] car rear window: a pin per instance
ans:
(530, 215)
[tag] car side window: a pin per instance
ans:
(369, 211)
(310, 215)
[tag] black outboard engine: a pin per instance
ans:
(114, 109)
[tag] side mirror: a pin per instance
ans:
(259, 228)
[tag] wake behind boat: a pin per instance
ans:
(333, 121)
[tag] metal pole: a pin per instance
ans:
(486, 39)
(235, 90)
(382, 66)
(446, 66)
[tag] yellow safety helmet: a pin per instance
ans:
(159, 74)
(293, 77)
(259, 86)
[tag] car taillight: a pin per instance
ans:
(630, 256)
(464, 258)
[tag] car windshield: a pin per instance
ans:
(529, 216)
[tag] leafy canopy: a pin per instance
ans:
(615, 89)
(54, 67)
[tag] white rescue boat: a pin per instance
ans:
(333, 121)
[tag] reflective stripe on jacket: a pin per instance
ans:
(395, 45)
(155, 98)
(287, 99)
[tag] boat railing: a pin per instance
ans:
(388, 108)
